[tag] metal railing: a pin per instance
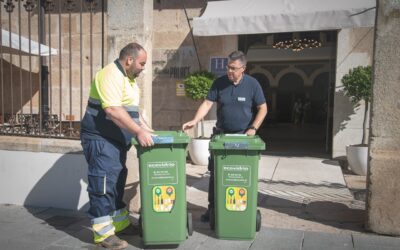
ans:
(46, 64)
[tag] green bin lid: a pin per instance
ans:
(167, 137)
(237, 142)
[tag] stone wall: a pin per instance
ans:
(43, 172)
(174, 57)
(354, 48)
(383, 203)
(65, 77)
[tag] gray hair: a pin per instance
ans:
(131, 49)
(238, 55)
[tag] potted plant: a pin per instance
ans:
(358, 86)
(197, 86)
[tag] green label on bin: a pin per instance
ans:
(236, 199)
(163, 198)
(164, 172)
(236, 175)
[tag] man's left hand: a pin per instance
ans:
(250, 132)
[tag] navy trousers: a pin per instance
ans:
(107, 174)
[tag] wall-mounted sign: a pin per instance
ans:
(180, 89)
(218, 65)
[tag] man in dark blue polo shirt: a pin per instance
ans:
(241, 108)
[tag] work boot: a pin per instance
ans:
(113, 242)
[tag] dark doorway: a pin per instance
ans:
(289, 90)
(290, 77)
(319, 99)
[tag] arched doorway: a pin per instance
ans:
(263, 80)
(290, 88)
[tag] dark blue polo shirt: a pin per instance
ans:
(236, 104)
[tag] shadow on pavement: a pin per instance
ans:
(74, 224)
(63, 185)
(306, 184)
(198, 225)
(330, 213)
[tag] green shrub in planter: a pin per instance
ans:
(197, 84)
(358, 86)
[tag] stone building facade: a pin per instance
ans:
(163, 28)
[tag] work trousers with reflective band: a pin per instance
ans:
(106, 226)
(107, 174)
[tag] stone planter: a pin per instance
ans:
(198, 151)
(357, 157)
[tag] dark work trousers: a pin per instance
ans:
(107, 174)
(211, 168)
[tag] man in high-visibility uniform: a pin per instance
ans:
(112, 118)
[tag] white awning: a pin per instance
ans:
(15, 49)
(275, 16)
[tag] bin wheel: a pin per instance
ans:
(189, 224)
(212, 218)
(140, 227)
(258, 221)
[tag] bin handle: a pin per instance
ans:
(162, 139)
(236, 145)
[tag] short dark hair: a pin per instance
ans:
(131, 49)
(238, 55)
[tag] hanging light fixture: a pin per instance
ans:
(297, 44)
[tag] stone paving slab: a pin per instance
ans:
(373, 242)
(318, 241)
(277, 239)
(267, 167)
(308, 170)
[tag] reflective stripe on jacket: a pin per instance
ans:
(95, 123)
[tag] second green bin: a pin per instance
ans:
(236, 159)
(163, 216)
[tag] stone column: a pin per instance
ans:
(136, 25)
(132, 21)
(383, 202)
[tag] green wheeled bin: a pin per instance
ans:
(236, 158)
(164, 219)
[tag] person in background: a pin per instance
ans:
(111, 120)
(241, 109)
(297, 112)
(306, 112)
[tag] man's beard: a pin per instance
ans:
(132, 73)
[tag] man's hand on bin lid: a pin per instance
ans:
(188, 125)
(144, 138)
(251, 130)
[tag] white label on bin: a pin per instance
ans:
(236, 175)
(164, 172)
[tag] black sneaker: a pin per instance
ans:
(205, 217)
(113, 242)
